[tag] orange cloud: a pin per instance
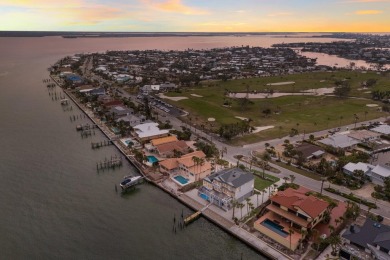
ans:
(91, 15)
(279, 14)
(174, 6)
(368, 12)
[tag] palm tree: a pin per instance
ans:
(303, 234)
(239, 157)
(334, 240)
(247, 203)
(196, 161)
(223, 151)
(290, 231)
(241, 205)
(315, 233)
(257, 193)
(262, 197)
(292, 178)
(201, 163)
(331, 229)
(285, 178)
(234, 205)
(337, 221)
(253, 160)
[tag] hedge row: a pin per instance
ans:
(352, 197)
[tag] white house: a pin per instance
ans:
(149, 131)
(377, 173)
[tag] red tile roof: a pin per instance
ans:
(294, 199)
(179, 146)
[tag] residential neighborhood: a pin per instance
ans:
(295, 221)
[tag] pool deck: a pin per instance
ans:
(213, 214)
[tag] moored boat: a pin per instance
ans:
(130, 181)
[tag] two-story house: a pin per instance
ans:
(226, 186)
(290, 216)
(190, 167)
(372, 237)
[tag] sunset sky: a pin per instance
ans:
(196, 16)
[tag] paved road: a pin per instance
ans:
(384, 207)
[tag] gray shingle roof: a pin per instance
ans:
(370, 233)
(234, 177)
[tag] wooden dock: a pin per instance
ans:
(98, 145)
(114, 162)
(195, 216)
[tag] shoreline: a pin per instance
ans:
(234, 230)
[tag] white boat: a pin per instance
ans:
(130, 181)
(64, 101)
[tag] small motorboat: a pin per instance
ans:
(130, 181)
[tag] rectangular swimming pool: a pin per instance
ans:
(181, 179)
(274, 227)
(152, 159)
(115, 130)
(204, 196)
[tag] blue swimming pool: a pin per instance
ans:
(274, 227)
(152, 159)
(204, 196)
(115, 130)
(129, 142)
(181, 179)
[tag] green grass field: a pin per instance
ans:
(305, 113)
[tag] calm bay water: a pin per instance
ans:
(53, 203)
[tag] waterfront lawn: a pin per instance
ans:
(261, 184)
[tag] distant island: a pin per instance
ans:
(73, 34)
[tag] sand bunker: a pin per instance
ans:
(372, 105)
(211, 119)
(262, 128)
(322, 81)
(309, 92)
(242, 118)
(281, 83)
(196, 95)
(172, 98)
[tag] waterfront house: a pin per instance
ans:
(168, 146)
(112, 103)
(372, 237)
(224, 187)
(340, 141)
(172, 148)
(376, 173)
(382, 129)
(132, 120)
(89, 90)
(192, 166)
(74, 79)
(148, 131)
(364, 136)
(163, 140)
(119, 111)
(290, 216)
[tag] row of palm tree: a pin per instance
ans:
(199, 162)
